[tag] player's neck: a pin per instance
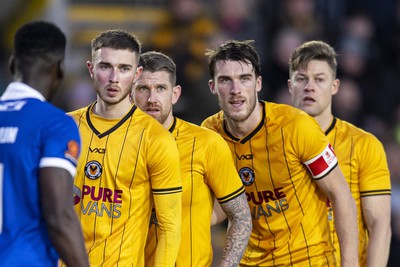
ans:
(324, 120)
(241, 128)
(168, 122)
(115, 111)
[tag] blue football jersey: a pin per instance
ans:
(33, 134)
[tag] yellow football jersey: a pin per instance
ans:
(125, 165)
(278, 162)
(362, 160)
(207, 171)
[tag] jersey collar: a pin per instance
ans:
(333, 123)
(172, 128)
(112, 129)
(19, 90)
(252, 133)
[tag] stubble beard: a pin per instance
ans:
(112, 100)
(162, 116)
(239, 116)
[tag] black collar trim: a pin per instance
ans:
(112, 129)
(254, 132)
(172, 128)
(331, 126)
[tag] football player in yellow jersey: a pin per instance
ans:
(287, 165)
(207, 172)
(361, 156)
(129, 163)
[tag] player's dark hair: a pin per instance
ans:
(116, 39)
(156, 61)
(35, 41)
(312, 50)
(234, 50)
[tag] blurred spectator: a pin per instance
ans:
(275, 74)
(240, 20)
(359, 59)
(184, 37)
(300, 15)
(366, 34)
(282, 96)
(347, 103)
(80, 93)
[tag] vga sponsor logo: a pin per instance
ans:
(267, 203)
(247, 175)
(244, 157)
(97, 150)
(93, 170)
(102, 201)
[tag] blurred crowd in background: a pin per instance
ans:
(365, 33)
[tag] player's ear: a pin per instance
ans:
(60, 69)
(258, 83)
(211, 84)
(138, 72)
(176, 93)
(89, 65)
(335, 86)
(11, 64)
(289, 83)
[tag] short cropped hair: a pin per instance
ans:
(313, 50)
(116, 39)
(236, 51)
(156, 61)
(38, 39)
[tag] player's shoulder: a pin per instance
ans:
(45, 111)
(144, 122)
(214, 122)
(285, 115)
(78, 112)
(200, 132)
(350, 130)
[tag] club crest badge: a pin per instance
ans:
(93, 170)
(247, 175)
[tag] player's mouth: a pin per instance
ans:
(236, 103)
(112, 91)
(152, 110)
(308, 100)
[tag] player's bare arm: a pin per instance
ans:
(63, 225)
(239, 230)
(344, 207)
(218, 215)
(376, 211)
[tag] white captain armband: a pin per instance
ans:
(322, 163)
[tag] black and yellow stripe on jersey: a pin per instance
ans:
(207, 172)
(125, 167)
(290, 225)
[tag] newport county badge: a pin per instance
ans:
(93, 170)
(247, 175)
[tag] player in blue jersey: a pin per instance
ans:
(39, 146)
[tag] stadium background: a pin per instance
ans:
(365, 33)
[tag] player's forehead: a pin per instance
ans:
(314, 67)
(115, 56)
(233, 68)
(154, 78)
